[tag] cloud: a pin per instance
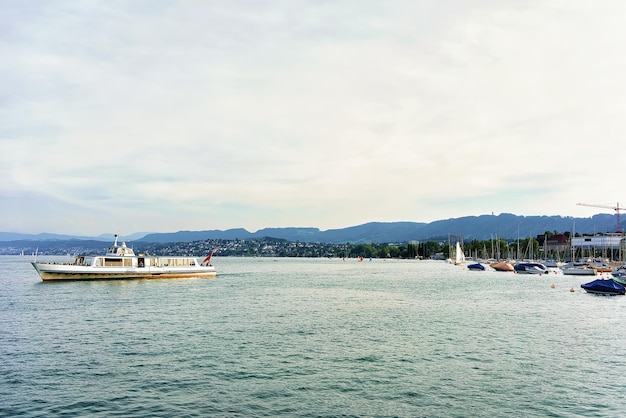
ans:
(215, 115)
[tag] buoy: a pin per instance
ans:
(553, 286)
(572, 289)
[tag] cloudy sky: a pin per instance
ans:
(155, 115)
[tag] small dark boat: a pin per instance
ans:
(604, 287)
(476, 267)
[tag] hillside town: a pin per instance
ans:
(264, 247)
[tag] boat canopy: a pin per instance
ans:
(607, 287)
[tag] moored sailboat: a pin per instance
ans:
(458, 257)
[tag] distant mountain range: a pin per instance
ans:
(505, 225)
(15, 236)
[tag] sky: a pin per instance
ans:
(161, 116)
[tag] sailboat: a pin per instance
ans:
(459, 256)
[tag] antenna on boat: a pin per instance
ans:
(115, 243)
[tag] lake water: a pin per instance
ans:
(311, 338)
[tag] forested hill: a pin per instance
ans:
(506, 226)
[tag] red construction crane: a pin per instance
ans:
(616, 208)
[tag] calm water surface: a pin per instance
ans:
(311, 338)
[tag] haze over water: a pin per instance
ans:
(311, 337)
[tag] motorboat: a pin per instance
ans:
(552, 263)
(579, 268)
(531, 268)
(121, 262)
(604, 287)
(619, 275)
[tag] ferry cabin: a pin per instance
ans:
(134, 261)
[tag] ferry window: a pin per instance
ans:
(113, 262)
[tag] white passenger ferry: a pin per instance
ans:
(120, 262)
